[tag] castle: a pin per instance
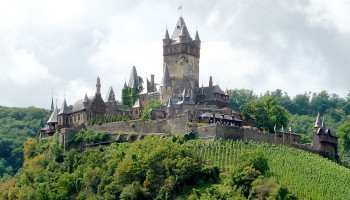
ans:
(181, 98)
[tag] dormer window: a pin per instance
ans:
(178, 27)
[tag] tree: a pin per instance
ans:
(238, 97)
(266, 113)
(126, 99)
(150, 105)
(344, 136)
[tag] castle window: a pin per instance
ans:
(79, 117)
(66, 120)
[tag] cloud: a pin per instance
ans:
(296, 46)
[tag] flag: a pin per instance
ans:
(180, 7)
(274, 128)
(290, 129)
(282, 129)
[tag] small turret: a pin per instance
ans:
(86, 101)
(183, 36)
(165, 86)
(98, 86)
(64, 108)
(110, 95)
(197, 41)
(166, 40)
(52, 106)
(318, 122)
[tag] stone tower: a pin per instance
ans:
(181, 54)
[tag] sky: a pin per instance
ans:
(60, 47)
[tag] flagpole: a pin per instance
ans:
(283, 133)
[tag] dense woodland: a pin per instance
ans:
(169, 168)
(16, 125)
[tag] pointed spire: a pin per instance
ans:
(86, 99)
(110, 94)
(125, 86)
(52, 106)
(318, 121)
(166, 81)
(134, 79)
(53, 117)
(197, 36)
(64, 108)
(167, 34)
(180, 27)
(98, 85)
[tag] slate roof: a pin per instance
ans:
(318, 122)
(180, 30)
(134, 79)
(53, 117)
(210, 92)
(110, 95)
(64, 108)
(197, 36)
(166, 81)
(166, 34)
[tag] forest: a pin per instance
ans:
(16, 125)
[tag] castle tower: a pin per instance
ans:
(181, 54)
(166, 89)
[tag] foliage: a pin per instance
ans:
(126, 99)
(89, 136)
(153, 104)
(16, 125)
(266, 113)
(147, 169)
(344, 136)
(238, 97)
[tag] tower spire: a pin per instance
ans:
(98, 86)
(52, 106)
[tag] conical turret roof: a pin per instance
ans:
(166, 81)
(178, 29)
(64, 108)
(53, 117)
(318, 122)
(110, 94)
(197, 36)
(134, 78)
(52, 106)
(166, 35)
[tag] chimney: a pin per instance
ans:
(210, 81)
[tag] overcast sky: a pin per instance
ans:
(295, 46)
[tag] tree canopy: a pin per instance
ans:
(266, 113)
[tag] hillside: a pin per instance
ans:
(16, 125)
(173, 168)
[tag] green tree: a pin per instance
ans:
(266, 113)
(126, 99)
(153, 104)
(344, 136)
(238, 97)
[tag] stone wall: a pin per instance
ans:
(140, 126)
